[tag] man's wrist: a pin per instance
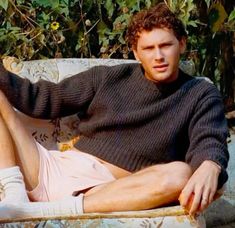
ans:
(214, 164)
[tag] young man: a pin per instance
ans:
(150, 134)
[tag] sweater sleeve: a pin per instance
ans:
(208, 134)
(45, 99)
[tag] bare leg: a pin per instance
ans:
(11, 179)
(7, 155)
(148, 188)
(17, 145)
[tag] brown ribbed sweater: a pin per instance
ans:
(128, 120)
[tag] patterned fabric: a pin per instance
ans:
(162, 217)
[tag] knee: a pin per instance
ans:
(6, 110)
(181, 172)
(2, 97)
(3, 100)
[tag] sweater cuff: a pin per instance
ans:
(223, 176)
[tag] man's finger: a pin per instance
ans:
(196, 203)
(204, 203)
(212, 196)
(205, 199)
(184, 198)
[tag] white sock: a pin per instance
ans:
(72, 205)
(12, 185)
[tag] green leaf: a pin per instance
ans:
(192, 23)
(231, 16)
(121, 3)
(3, 38)
(62, 9)
(65, 2)
(47, 3)
(102, 31)
(4, 4)
(45, 17)
(122, 18)
(121, 40)
(19, 2)
(15, 29)
(217, 16)
(109, 6)
(102, 28)
(133, 3)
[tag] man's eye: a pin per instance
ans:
(166, 45)
(147, 48)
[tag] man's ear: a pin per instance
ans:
(183, 44)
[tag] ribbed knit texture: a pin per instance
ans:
(130, 121)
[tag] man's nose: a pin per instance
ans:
(158, 55)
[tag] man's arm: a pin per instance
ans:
(201, 188)
(45, 99)
(207, 155)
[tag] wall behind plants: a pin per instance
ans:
(37, 29)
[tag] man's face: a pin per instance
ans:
(159, 53)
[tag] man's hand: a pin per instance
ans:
(200, 190)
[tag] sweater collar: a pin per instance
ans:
(169, 88)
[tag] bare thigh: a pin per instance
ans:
(148, 188)
(26, 152)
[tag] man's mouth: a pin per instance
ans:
(161, 68)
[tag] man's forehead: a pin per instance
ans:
(156, 34)
(156, 29)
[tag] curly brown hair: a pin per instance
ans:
(158, 16)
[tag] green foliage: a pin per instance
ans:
(184, 9)
(231, 16)
(47, 3)
(4, 4)
(212, 48)
(32, 29)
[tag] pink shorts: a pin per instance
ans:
(63, 174)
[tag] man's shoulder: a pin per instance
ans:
(118, 66)
(198, 81)
(198, 87)
(203, 89)
(116, 70)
